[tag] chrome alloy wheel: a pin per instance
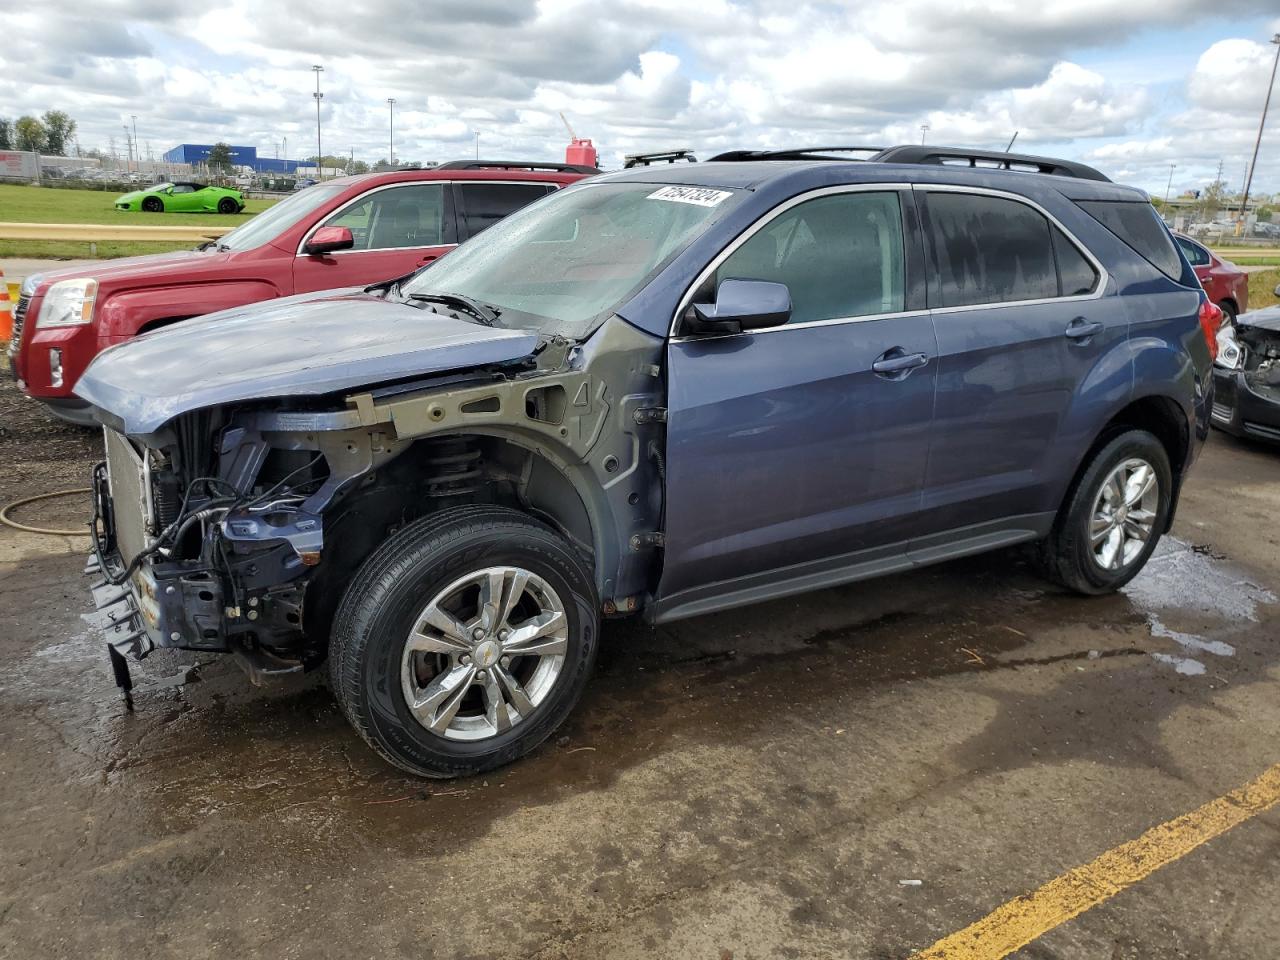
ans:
(484, 653)
(1124, 514)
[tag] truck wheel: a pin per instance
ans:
(227, 205)
(153, 205)
(1113, 516)
(464, 641)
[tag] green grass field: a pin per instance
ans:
(23, 204)
(1262, 289)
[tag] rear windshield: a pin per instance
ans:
(1138, 225)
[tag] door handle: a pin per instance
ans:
(896, 361)
(428, 258)
(1082, 329)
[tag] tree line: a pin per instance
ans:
(49, 133)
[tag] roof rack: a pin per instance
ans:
(684, 155)
(988, 159)
(515, 165)
(801, 153)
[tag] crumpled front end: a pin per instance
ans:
(1247, 379)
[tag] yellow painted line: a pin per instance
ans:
(1018, 922)
(94, 232)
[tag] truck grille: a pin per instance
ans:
(19, 314)
(128, 495)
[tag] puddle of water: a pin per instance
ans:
(1219, 648)
(1180, 577)
(1183, 579)
(1183, 665)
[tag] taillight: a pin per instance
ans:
(1210, 321)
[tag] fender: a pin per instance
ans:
(123, 314)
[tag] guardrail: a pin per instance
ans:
(96, 232)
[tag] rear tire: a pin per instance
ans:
(1105, 532)
(153, 205)
(227, 205)
(1228, 313)
(459, 699)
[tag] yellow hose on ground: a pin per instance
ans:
(8, 521)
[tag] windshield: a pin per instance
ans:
(276, 219)
(564, 263)
(161, 186)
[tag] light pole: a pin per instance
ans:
(1169, 185)
(924, 128)
(137, 154)
(319, 96)
(1244, 200)
(391, 157)
(477, 144)
(128, 146)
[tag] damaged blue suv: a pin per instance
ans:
(663, 392)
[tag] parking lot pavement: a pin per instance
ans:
(859, 772)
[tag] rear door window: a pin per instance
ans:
(990, 250)
(484, 204)
(840, 256)
(1197, 255)
(1140, 227)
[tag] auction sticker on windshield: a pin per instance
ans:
(701, 196)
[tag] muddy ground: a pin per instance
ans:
(752, 784)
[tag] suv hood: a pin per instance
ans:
(1268, 318)
(299, 346)
(158, 266)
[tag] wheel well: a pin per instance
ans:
(433, 474)
(1159, 416)
(160, 322)
(1230, 302)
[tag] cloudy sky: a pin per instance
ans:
(1131, 86)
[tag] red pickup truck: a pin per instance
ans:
(338, 233)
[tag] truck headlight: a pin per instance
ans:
(1230, 353)
(68, 303)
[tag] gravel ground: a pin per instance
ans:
(40, 454)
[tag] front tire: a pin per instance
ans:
(152, 205)
(1113, 516)
(464, 641)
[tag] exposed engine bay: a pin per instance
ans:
(236, 529)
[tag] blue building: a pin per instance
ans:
(240, 157)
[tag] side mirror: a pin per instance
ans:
(744, 305)
(327, 239)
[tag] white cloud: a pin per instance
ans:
(637, 74)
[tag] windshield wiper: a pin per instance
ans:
(486, 315)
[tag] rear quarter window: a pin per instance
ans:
(1140, 227)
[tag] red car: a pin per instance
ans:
(338, 233)
(1225, 283)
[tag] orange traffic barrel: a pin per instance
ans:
(6, 311)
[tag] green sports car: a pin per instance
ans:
(182, 198)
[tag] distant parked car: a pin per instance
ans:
(1225, 283)
(182, 198)
(342, 233)
(303, 182)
